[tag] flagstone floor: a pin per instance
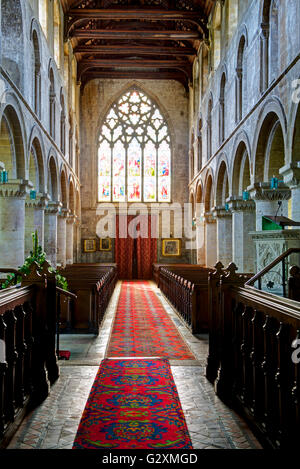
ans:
(53, 425)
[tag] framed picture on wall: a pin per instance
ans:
(105, 244)
(89, 245)
(171, 247)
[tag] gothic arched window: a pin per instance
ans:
(134, 154)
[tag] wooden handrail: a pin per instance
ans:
(66, 293)
(8, 270)
(270, 266)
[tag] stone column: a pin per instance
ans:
(50, 243)
(291, 176)
(12, 223)
(70, 239)
(62, 236)
(224, 235)
(200, 240)
(266, 201)
(210, 240)
(34, 220)
(243, 222)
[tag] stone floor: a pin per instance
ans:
(53, 425)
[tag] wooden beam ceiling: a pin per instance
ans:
(157, 41)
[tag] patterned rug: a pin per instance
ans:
(133, 404)
(143, 328)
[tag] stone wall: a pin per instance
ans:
(96, 99)
(29, 132)
(266, 103)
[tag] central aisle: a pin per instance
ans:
(143, 328)
(211, 425)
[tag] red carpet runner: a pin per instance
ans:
(133, 404)
(142, 327)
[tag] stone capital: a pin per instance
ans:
(71, 219)
(64, 213)
(53, 208)
(262, 192)
(240, 205)
(40, 202)
(291, 175)
(209, 217)
(221, 212)
(15, 188)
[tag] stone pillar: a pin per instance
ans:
(200, 240)
(224, 235)
(62, 236)
(243, 222)
(211, 240)
(291, 176)
(50, 244)
(70, 239)
(12, 223)
(267, 199)
(34, 220)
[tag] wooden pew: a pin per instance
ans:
(93, 285)
(253, 360)
(28, 360)
(186, 287)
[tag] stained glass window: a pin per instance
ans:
(134, 155)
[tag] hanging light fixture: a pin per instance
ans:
(3, 177)
(274, 183)
(246, 195)
(32, 195)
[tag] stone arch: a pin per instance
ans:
(209, 126)
(52, 106)
(13, 138)
(72, 199)
(209, 192)
(222, 107)
(12, 31)
(192, 201)
(52, 178)
(222, 182)
(63, 188)
(62, 122)
(241, 176)
(36, 139)
(37, 60)
(36, 166)
(294, 137)
(240, 74)
(269, 142)
(269, 15)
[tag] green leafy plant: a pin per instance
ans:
(39, 256)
